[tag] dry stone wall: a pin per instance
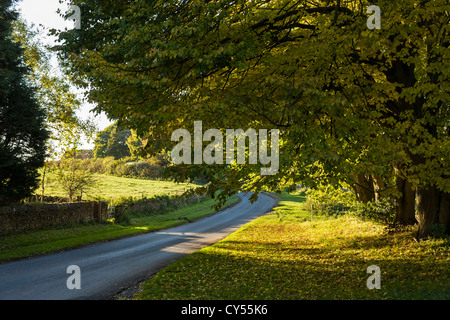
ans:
(19, 218)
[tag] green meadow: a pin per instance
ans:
(110, 188)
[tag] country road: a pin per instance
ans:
(107, 267)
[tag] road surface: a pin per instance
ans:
(106, 268)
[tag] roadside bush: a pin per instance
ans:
(330, 200)
(382, 211)
(438, 231)
(123, 209)
(120, 215)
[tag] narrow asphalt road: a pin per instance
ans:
(107, 267)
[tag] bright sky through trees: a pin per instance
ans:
(43, 12)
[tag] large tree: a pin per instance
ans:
(112, 142)
(22, 131)
(352, 104)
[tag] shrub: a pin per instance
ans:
(123, 209)
(151, 168)
(96, 166)
(438, 230)
(120, 215)
(382, 211)
(130, 167)
(330, 200)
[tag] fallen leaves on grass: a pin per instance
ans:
(296, 259)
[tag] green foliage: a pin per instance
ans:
(73, 178)
(138, 169)
(112, 142)
(347, 100)
(149, 168)
(101, 165)
(341, 94)
(53, 91)
(135, 144)
(22, 131)
(330, 200)
(336, 200)
(382, 211)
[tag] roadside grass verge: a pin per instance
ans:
(286, 256)
(50, 240)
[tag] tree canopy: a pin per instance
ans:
(53, 90)
(22, 131)
(354, 105)
(112, 142)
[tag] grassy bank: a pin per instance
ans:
(284, 255)
(111, 188)
(55, 239)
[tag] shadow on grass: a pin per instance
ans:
(240, 270)
(318, 260)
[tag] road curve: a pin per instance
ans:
(107, 267)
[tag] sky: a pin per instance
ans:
(43, 12)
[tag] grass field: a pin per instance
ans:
(285, 255)
(109, 188)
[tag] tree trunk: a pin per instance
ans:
(43, 182)
(432, 208)
(378, 185)
(364, 188)
(444, 211)
(405, 203)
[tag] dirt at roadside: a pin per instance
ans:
(130, 293)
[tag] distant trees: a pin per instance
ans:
(112, 142)
(117, 143)
(22, 119)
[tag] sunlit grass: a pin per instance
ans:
(284, 255)
(109, 187)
